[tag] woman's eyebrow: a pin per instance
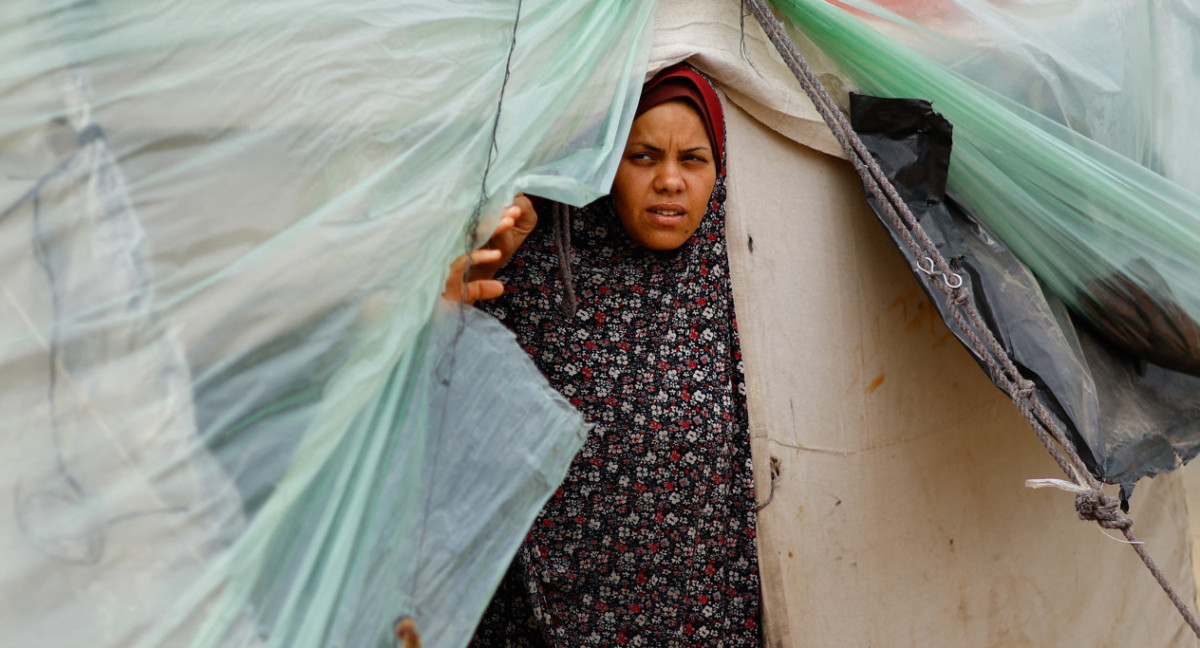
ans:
(656, 149)
(646, 146)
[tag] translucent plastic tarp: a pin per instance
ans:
(1012, 77)
(229, 414)
(1083, 200)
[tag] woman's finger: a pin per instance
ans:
(473, 290)
(508, 218)
(524, 217)
(484, 255)
(458, 265)
(483, 289)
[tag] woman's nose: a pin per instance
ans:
(669, 179)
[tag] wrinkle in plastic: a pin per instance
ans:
(230, 417)
(1068, 145)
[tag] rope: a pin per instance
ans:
(776, 467)
(1091, 503)
(562, 245)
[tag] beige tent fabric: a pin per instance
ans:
(708, 33)
(1191, 486)
(900, 515)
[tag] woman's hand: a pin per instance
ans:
(516, 222)
(458, 288)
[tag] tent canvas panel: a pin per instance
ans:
(899, 516)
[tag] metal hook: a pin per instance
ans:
(953, 280)
(932, 271)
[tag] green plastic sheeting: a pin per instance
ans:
(230, 415)
(1089, 209)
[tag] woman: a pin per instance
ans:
(650, 540)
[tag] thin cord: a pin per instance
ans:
(446, 365)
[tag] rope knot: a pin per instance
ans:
(1094, 505)
(1025, 389)
(959, 296)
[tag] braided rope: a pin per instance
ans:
(1091, 503)
(562, 245)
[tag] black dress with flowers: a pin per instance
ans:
(650, 540)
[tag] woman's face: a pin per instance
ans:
(666, 176)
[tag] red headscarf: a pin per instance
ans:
(682, 81)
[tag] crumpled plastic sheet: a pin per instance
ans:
(1083, 201)
(419, 522)
(230, 417)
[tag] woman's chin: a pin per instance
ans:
(663, 239)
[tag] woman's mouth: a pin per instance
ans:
(667, 215)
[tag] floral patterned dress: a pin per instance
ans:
(650, 540)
